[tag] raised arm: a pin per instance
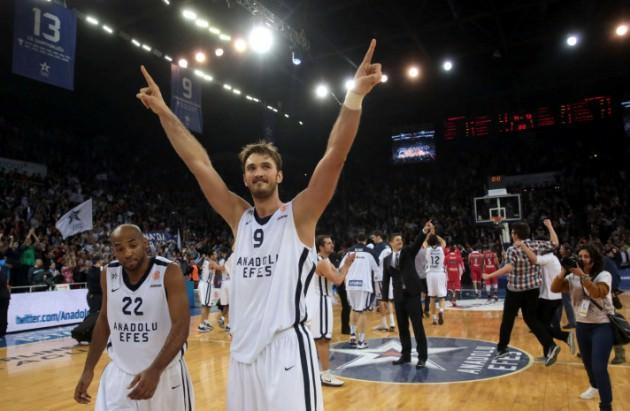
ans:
(553, 236)
(326, 269)
(144, 384)
(100, 335)
(227, 204)
(311, 203)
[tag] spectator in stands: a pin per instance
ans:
(37, 275)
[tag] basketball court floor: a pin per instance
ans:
(39, 370)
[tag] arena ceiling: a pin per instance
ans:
(506, 53)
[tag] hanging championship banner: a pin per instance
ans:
(186, 98)
(44, 41)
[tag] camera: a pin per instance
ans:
(569, 262)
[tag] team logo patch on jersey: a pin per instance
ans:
(450, 360)
(114, 275)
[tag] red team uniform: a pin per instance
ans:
(475, 261)
(454, 264)
(490, 265)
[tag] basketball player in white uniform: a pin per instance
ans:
(436, 275)
(385, 306)
(319, 304)
(205, 293)
(360, 288)
(224, 293)
(273, 360)
(143, 323)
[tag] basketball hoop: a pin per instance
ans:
(496, 219)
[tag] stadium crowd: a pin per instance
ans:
(584, 205)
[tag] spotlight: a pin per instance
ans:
(240, 45)
(200, 57)
(260, 39)
(92, 20)
(621, 30)
(201, 23)
(447, 65)
(413, 72)
(214, 30)
(300, 123)
(183, 63)
(189, 14)
(384, 78)
(322, 91)
(349, 84)
(218, 52)
(135, 42)
(295, 59)
(146, 47)
(572, 40)
(224, 37)
(168, 58)
(108, 29)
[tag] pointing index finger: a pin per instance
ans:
(148, 77)
(367, 59)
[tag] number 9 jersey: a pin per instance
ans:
(138, 316)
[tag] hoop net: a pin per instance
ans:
(496, 219)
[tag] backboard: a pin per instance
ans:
(507, 206)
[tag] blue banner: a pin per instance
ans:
(44, 41)
(186, 98)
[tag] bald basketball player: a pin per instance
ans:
(143, 323)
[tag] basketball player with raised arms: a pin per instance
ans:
(143, 324)
(273, 362)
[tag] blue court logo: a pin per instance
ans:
(450, 360)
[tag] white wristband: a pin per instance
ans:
(353, 100)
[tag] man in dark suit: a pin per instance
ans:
(400, 267)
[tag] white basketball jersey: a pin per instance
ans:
(361, 273)
(206, 273)
(138, 316)
(320, 285)
(435, 259)
(271, 271)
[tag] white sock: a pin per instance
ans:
(391, 320)
(362, 337)
(353, 329)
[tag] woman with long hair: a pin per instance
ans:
(589, 286)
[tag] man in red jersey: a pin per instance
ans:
(454, 269)
(475, 262)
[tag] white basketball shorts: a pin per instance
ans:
(359, 300)
(320, 316)
(205, 293)
(284, 376)
(174, 391)
(436, 284)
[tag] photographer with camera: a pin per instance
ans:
(590, 285)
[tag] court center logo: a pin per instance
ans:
(450, 360)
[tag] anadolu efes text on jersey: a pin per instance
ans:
(271, 272)
(138, 316)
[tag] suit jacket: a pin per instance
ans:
(406, 273)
